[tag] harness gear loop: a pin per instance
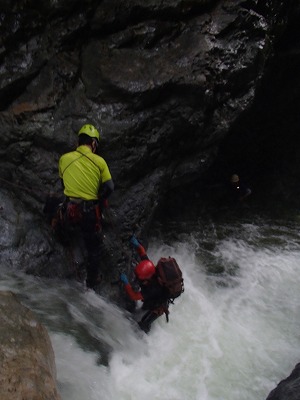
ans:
(74, 214)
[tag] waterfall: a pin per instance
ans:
(233, 334)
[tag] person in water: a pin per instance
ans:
(87, 184)
(153, 295)
(240, 190)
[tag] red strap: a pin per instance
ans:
(132, 294)
(141, 251)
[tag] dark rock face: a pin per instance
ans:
(289, 388)
(263, 142)
(164, 81)
(184, 91)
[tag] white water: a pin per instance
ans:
(230, 336)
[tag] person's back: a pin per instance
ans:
(87, 183)
(83, 173)
(153, 295)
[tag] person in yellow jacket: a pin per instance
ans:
(87, 184)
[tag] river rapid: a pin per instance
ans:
(233, 334)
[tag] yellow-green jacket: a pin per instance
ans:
(83, 173)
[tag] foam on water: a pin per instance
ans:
(230, 336)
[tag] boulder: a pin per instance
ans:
(27, 362)
(289, 388)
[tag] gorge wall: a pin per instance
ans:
(185, 93)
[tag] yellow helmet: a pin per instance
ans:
(234, 178)
(90, 130)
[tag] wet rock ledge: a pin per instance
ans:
(289, 388)
(27, 362)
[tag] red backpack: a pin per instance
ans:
(170, 276)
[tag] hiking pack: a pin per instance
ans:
(170, 276)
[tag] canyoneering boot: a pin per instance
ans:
(146, 321)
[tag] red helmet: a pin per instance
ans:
(145, 270)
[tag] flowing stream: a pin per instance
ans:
(233, 334)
